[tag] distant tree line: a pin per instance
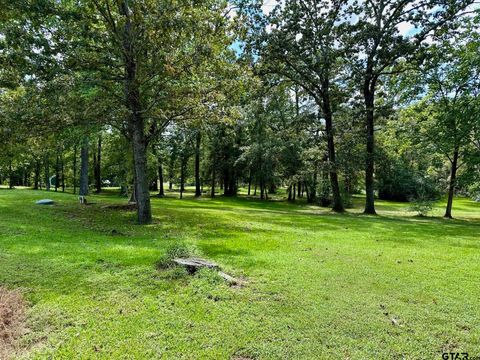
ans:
(316, 100)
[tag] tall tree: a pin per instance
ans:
(84, 169)
(378, 49)
(448, 118)
(98, 166)
(299, 43)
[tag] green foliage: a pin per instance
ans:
(421, 205)
(398, 181)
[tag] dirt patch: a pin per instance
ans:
(12, 321)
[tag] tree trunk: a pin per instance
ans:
(62, 170)
(212, 190)
(262, 189)
(182, 177)
(57, 171)
(289, 192)
(170, 172)
(161, 191)
(75, 169)
(370, 156)
(10, 175)
(144, 211)
(312, 194)
(36, 175)
(337, 198)
(135, 120)
(451, 185)
(47, 172)
(97, 170)
(198, 191)
(84, 167)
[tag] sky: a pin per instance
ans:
(406, 29)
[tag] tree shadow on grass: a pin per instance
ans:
(59, 249)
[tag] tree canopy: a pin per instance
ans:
(320, 100)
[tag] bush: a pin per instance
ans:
(398, 182)
(422, 206)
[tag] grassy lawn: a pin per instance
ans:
(319, 285)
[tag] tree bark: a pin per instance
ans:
(369, 98)
(327, 113)
(144, 211)
(57, 171)
(47, 172)
(212, 189)
(62, 170)
(214, 175)
(84, 167)
(135, 120)
(170, 172)
(262, 189)
(182, 176)
(198, 139)
(161, 191)
(36, 175)
(97, 170)
(451, 185)
(10, 175)
(75, 169)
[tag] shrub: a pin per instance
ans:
(422, 206)
(397, 181)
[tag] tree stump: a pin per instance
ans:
(193, 264)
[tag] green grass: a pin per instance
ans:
(319, 285)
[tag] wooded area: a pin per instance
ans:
(325, 98)
(306, 174)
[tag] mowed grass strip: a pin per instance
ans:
(319, 285)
